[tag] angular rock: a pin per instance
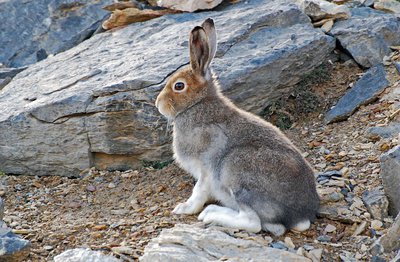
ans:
(93, 105)
(321, 9)
(12, 247)
(390, 131)
(390, 241)
(366, 89)
(39, 28)
(84, 255)
(189, 5)
(397, 65)
(131, 15)
(376, 203)
(390, 174)
(193, 243)
(391, 6)
(368, 35)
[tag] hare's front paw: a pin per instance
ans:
(186, 208)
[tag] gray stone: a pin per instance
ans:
(93, 105)
(390, 131)
(37, 29)
(390, 241)
(366, 89)
(324, 238)
(12, 247)
(390, 174)
(84, 255)
(193, 243)
(368, 35)
(376, 203)
(396, 258)
(10, 72)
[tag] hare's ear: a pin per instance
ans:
(208, 26)
(199, 51)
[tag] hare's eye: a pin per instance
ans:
(179, 86)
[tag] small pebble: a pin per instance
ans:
(376, 224)
(48, 248)
(289, 242)
(111, 185)
(279, 245)
(324, 238)
(330, 228)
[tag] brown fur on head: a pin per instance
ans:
(189, 85)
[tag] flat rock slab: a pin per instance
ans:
(93, 105)
(30, 30)
(366, 89)
(193, 243)
(390, 174)
(368, 35)
(390, 131)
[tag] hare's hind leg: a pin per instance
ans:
(246, 218)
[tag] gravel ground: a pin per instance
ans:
(119, 212)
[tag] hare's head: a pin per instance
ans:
(190, 85)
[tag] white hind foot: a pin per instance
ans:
(275, 229)
(245, 219)
(302, 226)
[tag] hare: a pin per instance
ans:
(238, 159)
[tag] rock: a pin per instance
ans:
(279, 245)
(397, 258)
(391, 240)
(324, 238)
(330, 228)
(189, 5)
(376, 224)
(391, 6)
(315, 255)
(320, 9)
(12, 247)
(193, 243)
(123, 250)
(84, 255)
(366, 89)
(390, 131)
(289, 243)
(120, 6)
(85, 95)
(131, 15)
(368, 35)
(10, 72)
(397, 65)
(360, 228)
(4, 82)
(390, 174)
(327, 26)
(376, 203)
(53, 26)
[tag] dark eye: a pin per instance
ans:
(179, 86)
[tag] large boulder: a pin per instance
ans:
(368, 35)
(193, 243)
(31, 30)
(93, 105)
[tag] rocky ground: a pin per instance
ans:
(119, 212)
